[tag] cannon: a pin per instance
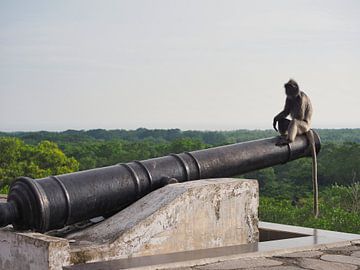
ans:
(56, 201)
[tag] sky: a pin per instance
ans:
(188, 64)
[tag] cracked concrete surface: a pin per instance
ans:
(339, 258)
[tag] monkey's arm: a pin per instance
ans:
(283, 113)
(308, 112)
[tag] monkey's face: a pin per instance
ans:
(291, 97)
(291, 92)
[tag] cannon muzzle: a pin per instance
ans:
(56, 201)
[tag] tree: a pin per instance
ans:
(186, 144)
(19, 159)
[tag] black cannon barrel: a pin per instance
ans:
(56, 201)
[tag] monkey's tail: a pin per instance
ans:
(311, 138)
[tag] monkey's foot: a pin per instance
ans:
(282, 141)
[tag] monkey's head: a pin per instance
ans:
(292, 89)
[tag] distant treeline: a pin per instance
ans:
(161, 135)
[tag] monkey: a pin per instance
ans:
(298, 105)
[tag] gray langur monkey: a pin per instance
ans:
(298, 105)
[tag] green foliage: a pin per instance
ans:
(140, 134)
(340, 163)
(347, 198)
(337, 164)
(4, 189)
(18, 159)
(95, 154)
(268, 182)
(160, 135)
(340, 135)
(185, 145)
(336, 212)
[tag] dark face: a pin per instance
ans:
(291, 92)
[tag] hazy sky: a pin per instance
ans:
(189, 64)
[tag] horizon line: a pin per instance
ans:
(182, 130)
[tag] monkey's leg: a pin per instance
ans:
(283, 124)
(295, 127)
(292, 130)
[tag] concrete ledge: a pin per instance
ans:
(178, 217)
(32, 251)
(310, 240)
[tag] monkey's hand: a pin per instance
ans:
(274, 123)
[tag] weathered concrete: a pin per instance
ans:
(278, 268)
(242, 263)
(32, 251)
(303, 254)
(185, 216)
(323, 265)
(356, 242)
(341, 259)
(356, 254)
(344, 250)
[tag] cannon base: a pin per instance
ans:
(179, 217)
